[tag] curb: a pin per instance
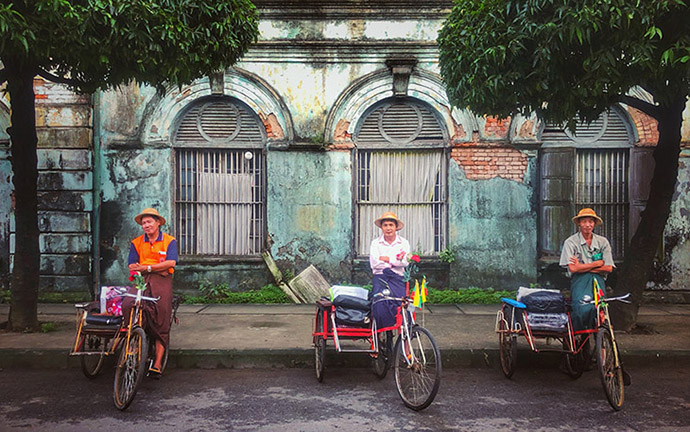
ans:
(304, 358)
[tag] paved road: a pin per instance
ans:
(348, 400)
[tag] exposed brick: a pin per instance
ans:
(480, 163)
(647, 132)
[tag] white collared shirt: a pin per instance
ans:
(380, 247)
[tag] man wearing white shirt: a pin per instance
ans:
(388, 258)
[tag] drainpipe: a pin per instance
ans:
(97, 196)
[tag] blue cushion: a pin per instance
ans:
(513, 303)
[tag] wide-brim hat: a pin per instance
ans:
(389, 216)
(149, 212)
(588, 212)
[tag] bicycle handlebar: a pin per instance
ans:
(622, 299)
(154, 299)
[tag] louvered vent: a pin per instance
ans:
(609, 130)
(220, 123)
(400, 123)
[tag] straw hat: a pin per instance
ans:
(391, 216)
(588, 212)
(149, 212)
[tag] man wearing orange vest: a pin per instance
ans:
(154, 255)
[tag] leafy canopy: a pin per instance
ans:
(562, 58)
(103, 43)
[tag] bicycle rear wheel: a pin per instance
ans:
(131, 367)
(575, 364)
(507, 348)
(319, 346)
(611, 373)
(91, 364)
(382, 361)
(417, 368)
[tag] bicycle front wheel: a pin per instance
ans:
(92, 363)
(417, 368)
(131, 367)
(610, 371)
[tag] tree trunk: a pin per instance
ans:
(23, 141)
(634, 273)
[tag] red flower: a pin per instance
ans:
(131, 276)
(415, 258)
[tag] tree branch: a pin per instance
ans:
(58, 79)
(645, 107)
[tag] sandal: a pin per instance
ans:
(154, 373)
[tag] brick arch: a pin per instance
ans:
(367, 91)
(645, 126)
(242, 85)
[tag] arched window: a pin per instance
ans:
(402, 167)
(588, 168)
(220, 179)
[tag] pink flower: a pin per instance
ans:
(400, 256)
(415, 258)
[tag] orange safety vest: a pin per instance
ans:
(152, 253)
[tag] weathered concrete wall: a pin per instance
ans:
(310, 211)
(492, 229)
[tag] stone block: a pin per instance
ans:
(64, 243)
(65, 159)
(67, 265)
(65, 200)
(64, 222)
(63, 115)
(64, 137)
(65, 180)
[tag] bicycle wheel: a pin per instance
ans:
(91, 364)
(417, 368)
(319, 346)
(611, 373)
(131, 367)
(507, 347)
(382, 362)
(575, 364)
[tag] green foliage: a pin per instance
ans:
(447, 256)
(104, 43)
(48, 327)
(563, 58)
(288, 275)
(221, 293)
(52, 297)
(467, 295)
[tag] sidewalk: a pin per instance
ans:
(210, 336)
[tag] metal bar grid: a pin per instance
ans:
(217, 191)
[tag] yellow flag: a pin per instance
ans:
(423, 289)
(416, 298)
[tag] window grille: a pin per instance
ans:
(402, 167)
(220, 180)
(602, 184)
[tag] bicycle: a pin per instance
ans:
(99, 336)
(514, 319)
(415, 355)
